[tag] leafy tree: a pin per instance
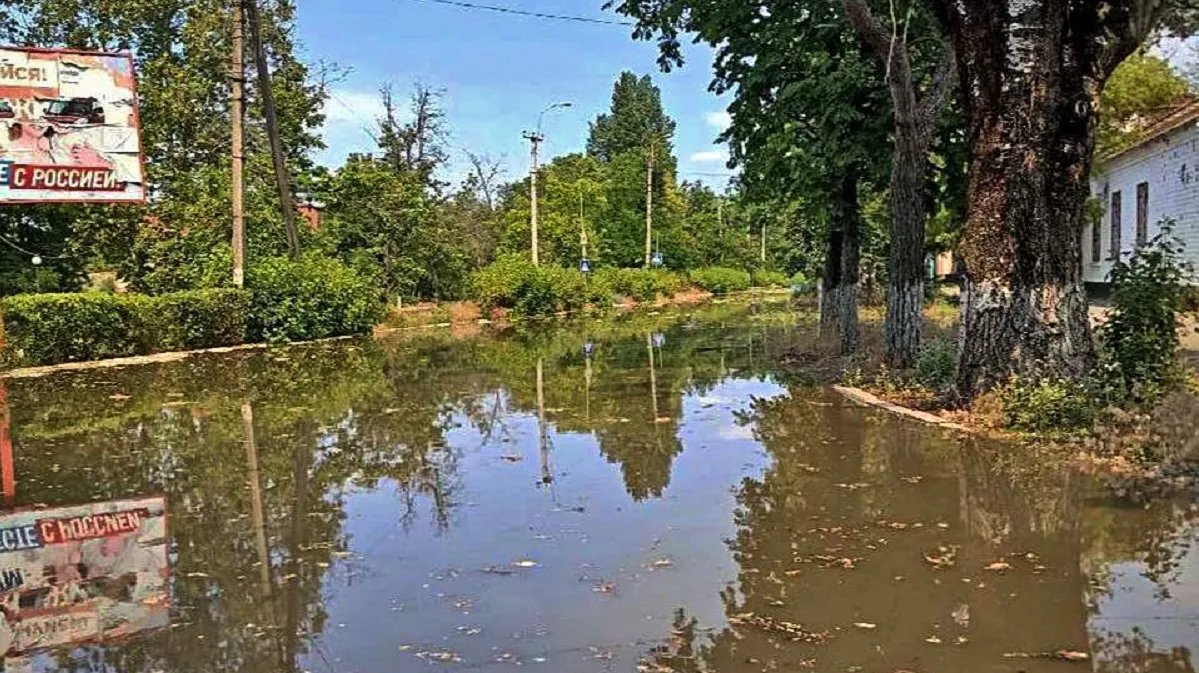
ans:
(810, 114)
(636, 119)
(1033, 73)
(1143, 89)
(181, 52)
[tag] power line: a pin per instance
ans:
(19, 249)
(520, 12)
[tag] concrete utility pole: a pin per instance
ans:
(237, 105)
(582, 227)
(720, 225)
(649, 206)
(535, 138)
(763, 243)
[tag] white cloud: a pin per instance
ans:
(720, 121)
(361, 108)
(350, 120)
(710, 157)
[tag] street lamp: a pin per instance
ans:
(535, 138)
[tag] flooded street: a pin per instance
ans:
(636, 494)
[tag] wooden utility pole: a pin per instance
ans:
(269, 111)
(237, 112)
(535, 140)
(649, 206)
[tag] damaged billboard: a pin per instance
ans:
(88, 573)
(69, 128)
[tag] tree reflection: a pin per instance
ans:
(863, 530)
(259, 453)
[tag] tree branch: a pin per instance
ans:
(945, 80)
(868, 27)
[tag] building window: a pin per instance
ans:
(1114, 253)
(1143, 213)
(1096, 241)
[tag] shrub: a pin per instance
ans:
(513, 282)
(499, 284)
(721, 280)
(642, 284)
(1050, 406)
(1140, 338)
(763, 278)
(196, 319)
(310, 298)
(936, 364)
(42, 329)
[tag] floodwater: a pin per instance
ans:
(636, 494)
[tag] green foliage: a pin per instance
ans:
(45, 329)
(721, 280)
(642, 284)
(635, 121)
(196, 319)
(383, 222)
(1140, 91)
(1140, 338)
(936, 366)
(764, 278)
(1050, 406)
(310, 298)
(513, 282)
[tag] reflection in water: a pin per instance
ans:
(367, 506)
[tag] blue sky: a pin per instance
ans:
(499, 71)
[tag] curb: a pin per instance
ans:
(867, 399)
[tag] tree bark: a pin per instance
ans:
(915, 122)
(851, 264)
(1034, 72)
(842, 267)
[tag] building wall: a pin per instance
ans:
(1170, 166)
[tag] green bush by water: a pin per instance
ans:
(774, 279)
(42, 329)
(936, 366)
(1051, 406)
(513, 282)
(310, 298)
(721, 280)
(1140, 338)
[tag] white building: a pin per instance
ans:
(1155, 179)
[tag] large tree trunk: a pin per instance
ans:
(851, 264)
(915, 122)
(1033, 73)
(905, 260)
(842, 268)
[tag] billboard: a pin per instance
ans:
(82, 574)
(69, 129)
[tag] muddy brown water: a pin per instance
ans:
(635, 494)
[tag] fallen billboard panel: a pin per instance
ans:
(82, 574)
(69, 128)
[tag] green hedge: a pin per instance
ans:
(513, 282)
(43, 329)
(310, 298)
(721, 280)
(763, 278)
(642, 284)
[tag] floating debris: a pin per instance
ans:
(866, 625)
(1060, 655)
(998, 566)
(792, 630)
